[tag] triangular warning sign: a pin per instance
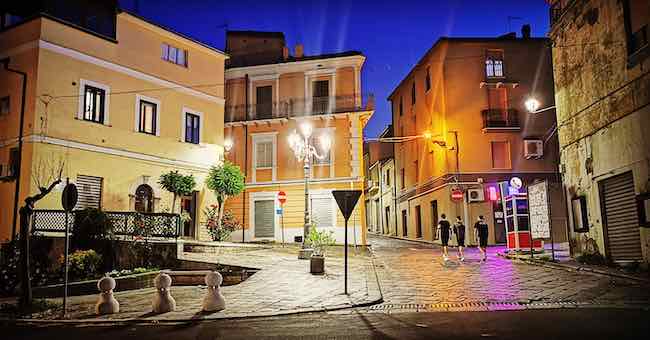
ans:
(346, 199)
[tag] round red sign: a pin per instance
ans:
(457, 195)
(282, 197)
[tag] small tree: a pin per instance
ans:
(178, 184)
(225, 180)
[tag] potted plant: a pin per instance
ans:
(319, 241)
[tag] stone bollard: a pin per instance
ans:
(106, 303)
(163, 301)
(213, 301)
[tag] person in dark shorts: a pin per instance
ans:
(445, 229)
(481, 231)
(459, 230)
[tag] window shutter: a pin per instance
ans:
(322, 212)
(264, 218)
(90, 191)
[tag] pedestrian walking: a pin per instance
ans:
(459, 230)
(481, 233)
(445, 228)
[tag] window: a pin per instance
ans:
(326, 160)
(494, 64)
(322, 211)
(427, 80)
(636, 13)
(321, 96)
(192, 128)
(264, 102)
(401, 106)
(404, 224)
(402, 178)
(9, 19)
(148, 116)
(413, 93)
(434, 218)
(90, 191)
(174, 55)
(418, 222)
(94, 100)
(500, 155)
(579, 210)
(388, 177)
(5, 106)
(144, 199)
(14, 166)
(387, 210)
(264, 154)
(417, 170)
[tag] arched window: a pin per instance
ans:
(144, 199)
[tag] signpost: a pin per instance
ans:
(540, 214)
(346, 200)
(282, 198)
(68, 201)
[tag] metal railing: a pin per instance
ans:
(125, 223)
(297, 107)
(500, 118)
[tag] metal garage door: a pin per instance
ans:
(620, 218)
(264, 218)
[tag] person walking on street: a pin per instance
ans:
(459, 230)
(481, 233)
(445, 228)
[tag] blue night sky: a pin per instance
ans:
(392, 35)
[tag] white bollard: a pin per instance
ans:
(106, 303)
(163, 301)
(213, 300)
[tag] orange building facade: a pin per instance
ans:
(466, 95)
(269, 93)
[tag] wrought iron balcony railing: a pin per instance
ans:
(500, 119)
(297, 107)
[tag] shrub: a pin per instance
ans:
(93, 229)
(40, 266)
(228, 225)
(595, 258)
(84, 264)
(320, 240)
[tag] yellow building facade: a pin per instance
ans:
(119, 111)
(269, 96)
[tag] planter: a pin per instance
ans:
(317, 264)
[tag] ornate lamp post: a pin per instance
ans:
(304, 150)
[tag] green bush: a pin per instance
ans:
(83, 264)
(40, 264)
(320, 240)
(93, 229)
(228, 224)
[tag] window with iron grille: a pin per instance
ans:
(94, 104)
(148, 117)
(192, 128)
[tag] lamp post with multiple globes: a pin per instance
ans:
(303, 148)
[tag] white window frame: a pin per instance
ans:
(263, 196)
(312, 76)
(138, 99)
(184, 111)
(82, 95)
(331, 131)
(265, 137)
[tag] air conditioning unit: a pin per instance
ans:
(475, 195)
(533, 148)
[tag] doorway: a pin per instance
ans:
(620, 218)
(434, 219)
(418, 222)
(404, 225)
(188, 205)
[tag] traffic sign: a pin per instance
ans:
(69, 197)
(282, 197)
(457, 195)
(278, 211)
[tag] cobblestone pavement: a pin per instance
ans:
(282, 285)
(414, 273)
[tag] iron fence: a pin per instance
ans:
(125, 223)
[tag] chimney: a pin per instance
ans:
(525, 31)
(299, 51)
(285, 53)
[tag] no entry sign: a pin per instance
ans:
(456, 195)
(282, 197)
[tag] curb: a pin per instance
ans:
(561, 266)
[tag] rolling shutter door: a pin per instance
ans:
(264, 218)
(90, 192)
(620, 218)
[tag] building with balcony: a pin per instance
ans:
(602, 92)
(380, 184)
(269, 93)
(463, 104)
(113, 96)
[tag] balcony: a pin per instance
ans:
(372, 186)
(500, 120)
(299, 107)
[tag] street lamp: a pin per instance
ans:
(304, 150)
(532, 105)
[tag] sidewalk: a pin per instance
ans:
(283, 285)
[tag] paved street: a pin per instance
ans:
(590, 324)
(413, 276)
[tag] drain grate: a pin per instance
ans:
(503, 305)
